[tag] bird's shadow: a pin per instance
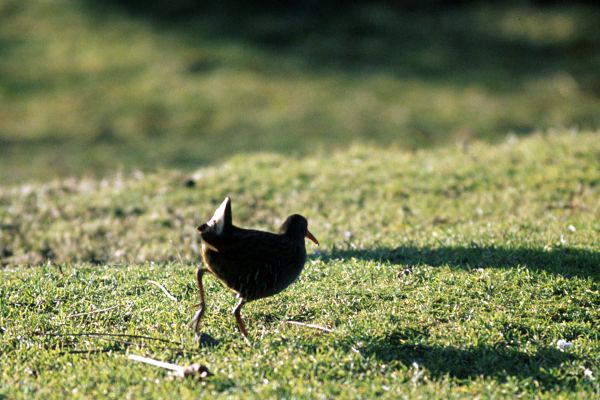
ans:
(494, 361)
(207, 341)
(565, 261)
(407, 348)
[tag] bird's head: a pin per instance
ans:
(296, 226)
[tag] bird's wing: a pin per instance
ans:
(248, 250)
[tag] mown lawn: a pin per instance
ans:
(91, 87)
(443, 273)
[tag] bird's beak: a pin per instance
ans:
(312, 237)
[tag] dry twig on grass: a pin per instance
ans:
(194, 370)
(165, 291)
(312, 326)
(101, 334)
(92, 312)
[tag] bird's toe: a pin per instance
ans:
(195, 324)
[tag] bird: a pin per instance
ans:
(254, 264)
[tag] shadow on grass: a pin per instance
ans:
(208, 341)
(401, 349)
(496, 362)
(434, 49)
(68, 343)
(565, 261)
(436, 41)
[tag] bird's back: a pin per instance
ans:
(254, 263)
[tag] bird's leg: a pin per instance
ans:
(198, 316)
(237, 311)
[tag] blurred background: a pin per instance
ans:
(90, 87)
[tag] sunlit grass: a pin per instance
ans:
(443, 273)
(447, 161)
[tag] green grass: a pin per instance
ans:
(444, 273)
(447, 160)
(94, 87)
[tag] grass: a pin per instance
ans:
(444, 273)
(446, 158)
(77, 99)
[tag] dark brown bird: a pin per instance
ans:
(254, 264)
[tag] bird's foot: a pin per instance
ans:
(195, 324)
(247, 341)
(243, 330)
